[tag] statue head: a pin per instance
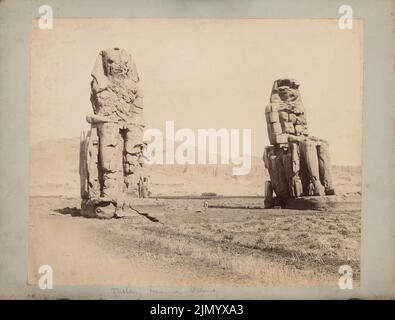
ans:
(285, 90)
(113, 64)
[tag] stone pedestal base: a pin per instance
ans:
(98, 208)
(325, 203)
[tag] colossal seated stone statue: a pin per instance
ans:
(298, 164)
(111, 163)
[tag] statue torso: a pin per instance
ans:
(292, 118)
(120, 101)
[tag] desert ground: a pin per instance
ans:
(235, 242)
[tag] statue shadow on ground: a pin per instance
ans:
(74, 212)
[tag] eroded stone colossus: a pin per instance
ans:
(298, 164)
(111, 153)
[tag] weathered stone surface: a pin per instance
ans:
(112, 150)
(298, 164)
(83, 170)
(98, 208)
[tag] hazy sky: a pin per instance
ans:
(205, 74)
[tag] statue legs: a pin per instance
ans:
(291, 162)
(304, 168)
(324, 164)
(100, 169)
(110, 160)
(308, 151)
(132, 162)
(315, 153)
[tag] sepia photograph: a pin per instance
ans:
(195, 153)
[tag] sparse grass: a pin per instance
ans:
(241, 269)
(290, 250)
(285, 248)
